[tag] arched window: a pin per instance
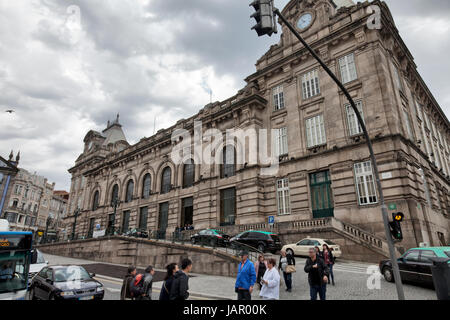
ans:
(95, 201)
(115, 193)
(165, 182)
(229, 160)
(188, 174)
(146, 186)
(130, 189)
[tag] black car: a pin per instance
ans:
(65, 283)
(211, 237)
(261, 240)
(415, 265)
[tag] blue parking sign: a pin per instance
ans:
(271, 219)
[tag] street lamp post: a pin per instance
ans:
(264, 27)
(48, 222)
(114, 204)
(77, 211)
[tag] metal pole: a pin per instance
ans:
(398, 281)
(74, 224)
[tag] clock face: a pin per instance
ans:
(304, 21)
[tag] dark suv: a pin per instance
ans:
(261, 240)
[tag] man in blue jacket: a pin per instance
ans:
(246, 278)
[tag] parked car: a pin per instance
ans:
(37, 263)
(415, 265)
(301, 248)
(212, 237)
(65, 283)
(137, 233)
(261, 240)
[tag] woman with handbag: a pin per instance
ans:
(168, 279)
(287, 265)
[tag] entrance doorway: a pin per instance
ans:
(321, 195)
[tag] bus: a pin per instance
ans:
(15, 258)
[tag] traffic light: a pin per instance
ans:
(396, 228)
(264, 16)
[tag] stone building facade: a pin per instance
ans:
(324, 168)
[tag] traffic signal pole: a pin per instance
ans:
(384, 211)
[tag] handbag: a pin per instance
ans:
(290, 269)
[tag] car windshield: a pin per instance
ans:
(329, 242)
(13, 271)
(72, 273)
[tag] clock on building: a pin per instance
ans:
(304, 21)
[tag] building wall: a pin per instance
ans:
(388, 106)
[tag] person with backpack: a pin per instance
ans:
(168, 280)
(180, 285)
(125, 293)
(137, 287)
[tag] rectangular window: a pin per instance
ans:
(91, 227)
(283, 200)
(315, 131)
(228, 206)
(398, 80)
(125, 221)
(348, 68)
(280, 144)
(365, 183)
(187, 213)
(143, 216)
(310, 84)
(408, 125)
(278, 98)
(354, 127)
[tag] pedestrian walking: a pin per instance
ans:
(328, 258)
(318, 252)
(137, 287)
(317, 275)
(287, 266)
(168, 279)
(270, 282)
(125, 293)
(180, 284)
(245, 279)
(148, 283)
(260, 269)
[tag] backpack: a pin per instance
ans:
(137, 286)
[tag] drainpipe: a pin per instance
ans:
(423, 228)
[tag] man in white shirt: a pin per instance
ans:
(270, 282)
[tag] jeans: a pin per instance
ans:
(318, 289)
(244, 295)
(288, 280)
(331, 277)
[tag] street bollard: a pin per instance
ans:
(441, 277)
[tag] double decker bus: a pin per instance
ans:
(15, 258)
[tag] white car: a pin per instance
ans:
(37, 263)
(301, 248)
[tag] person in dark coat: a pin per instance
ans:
(317, 272)
(168, 280)
(125, 292)
(180, 285)
(328, 258)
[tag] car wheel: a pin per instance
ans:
(388, 275)
(261, 247)
(290, 251)
(212, 243)
(52, 297)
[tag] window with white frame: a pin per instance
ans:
(354, 127)
(310, 84)
(280, 143)
(315, 131)
(278, 98)
(348, 68)
(398, 79)
(408, 125)
(283, 200)
(365, 184)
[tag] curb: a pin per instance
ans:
(159, 286)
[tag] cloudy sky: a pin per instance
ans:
(68, 66)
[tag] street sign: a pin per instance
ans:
(100, 233)
(97, 226)
(392, 206)
(271, 220)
